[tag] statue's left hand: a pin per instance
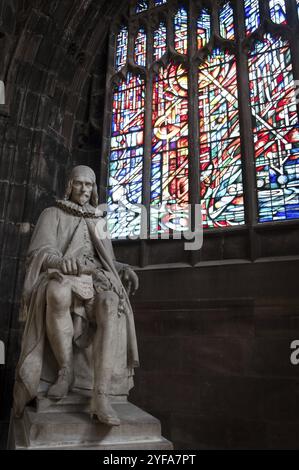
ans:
(130, 280)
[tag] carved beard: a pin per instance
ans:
(94, 199)
(82, 199)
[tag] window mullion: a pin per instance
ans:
(193, 131)
(247, 143)
(146, 194)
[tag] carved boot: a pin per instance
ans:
(100, 406)
(62, 385)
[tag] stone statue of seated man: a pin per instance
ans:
(79, 326)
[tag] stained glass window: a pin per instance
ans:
(252, 15)
(169, 167)
(126, 157)
(276, 133)
(141, 5)
(298, 7)
(140, 48)
(121, 48)
(181, 31)
(158, 174)
(220, 152)
(203, 28)
(278, 11)
(226, 20)
(160, 41)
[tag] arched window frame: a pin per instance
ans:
(149, 20)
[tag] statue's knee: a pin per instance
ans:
(110, 300)
(107, 305)
(58, 296)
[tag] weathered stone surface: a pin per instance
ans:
(62, 428)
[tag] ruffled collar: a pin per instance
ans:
(86, 211)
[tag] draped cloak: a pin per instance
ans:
(55, 234)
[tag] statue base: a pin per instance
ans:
(66, 424)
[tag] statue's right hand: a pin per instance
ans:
(71, 266)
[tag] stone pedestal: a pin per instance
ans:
(66, 424)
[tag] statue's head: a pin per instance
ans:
(81, 187)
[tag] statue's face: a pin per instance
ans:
(81, 190)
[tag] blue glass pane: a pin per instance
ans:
(203, 29)
(160, 41)
(278, 11)
(226, 17)
(140, 48)
(141, 5)
(252, 15)
(181, 31)
(121, 48)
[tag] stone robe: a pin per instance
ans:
(59, 233)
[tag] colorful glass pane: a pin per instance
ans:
(181, 31)
(220, 150)
(252, 15)
(140, 48)
(226, 20)
(298, 7)
(276, 132)
(160, 41)
(203, 28)
(141, 5)
(169, 167)
(278, 11)
(126, 157)
(160, 2)
(121, 48)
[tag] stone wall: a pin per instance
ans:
(215, 354)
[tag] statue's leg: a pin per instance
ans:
(104, 354)
(60, 332)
